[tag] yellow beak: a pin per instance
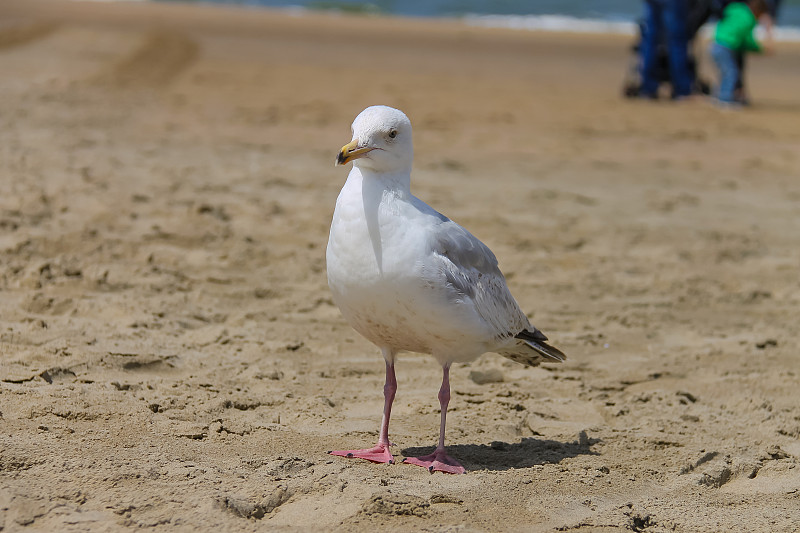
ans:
(351, 151)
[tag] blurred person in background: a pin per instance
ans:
(768, 19)
(698, 13)
(666, 19)
(734, 38)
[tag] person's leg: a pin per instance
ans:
(740, 94)
(739, 55)
(649, 48)
(728, 71)
(675, 20)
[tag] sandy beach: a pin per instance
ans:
(171, 358)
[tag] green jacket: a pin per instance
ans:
(735, 29)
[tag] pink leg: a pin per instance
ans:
(439, 461)
(380, 453)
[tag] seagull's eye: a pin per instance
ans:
(393, 134)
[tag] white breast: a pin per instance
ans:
(376, 271)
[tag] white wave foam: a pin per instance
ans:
(789, 34)
(563, 23)
(555, 23)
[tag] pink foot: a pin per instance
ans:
(378, 454)
(438, 461)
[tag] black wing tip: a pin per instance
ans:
(531, 335)
(536, 340)
(551, 352)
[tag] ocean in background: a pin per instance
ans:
(593, 16)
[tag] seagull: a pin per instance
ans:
(408, 278)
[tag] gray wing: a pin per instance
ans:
(473, 277)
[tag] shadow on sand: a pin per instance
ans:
(530, 451)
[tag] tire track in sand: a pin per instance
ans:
(20, 35)
(162, 56)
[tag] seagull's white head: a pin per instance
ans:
(381, 141)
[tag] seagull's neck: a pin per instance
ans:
(379, 184)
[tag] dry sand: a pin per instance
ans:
(171, 357)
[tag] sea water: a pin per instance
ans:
(590, 16)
